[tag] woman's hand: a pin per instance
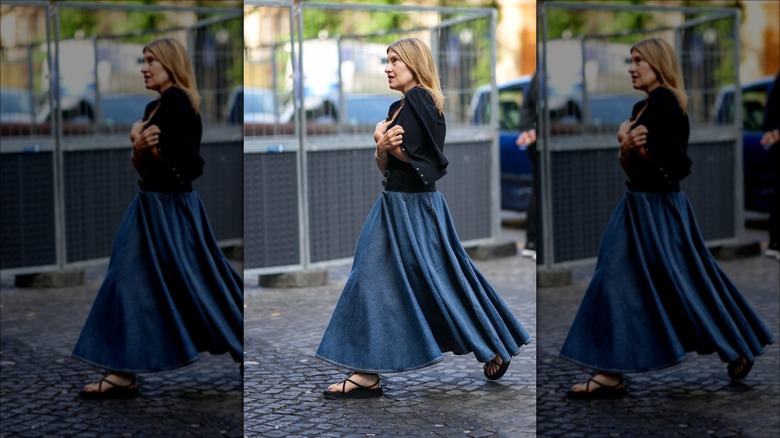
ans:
(769, 138)
(137, 128)
(526, 138)
(391, 139)
(380, 129)
(632, 142)
(625, 127)
(633, 139)
(146, 139)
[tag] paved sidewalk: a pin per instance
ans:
(693, 399)
(40, 381)
(284, 381)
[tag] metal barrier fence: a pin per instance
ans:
(314, 90)
(589, 94)
(66, 175)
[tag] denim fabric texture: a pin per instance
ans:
(413, 293)
(658, 293)
(169, 292)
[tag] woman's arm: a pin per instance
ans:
(387, 144)
(145, 142)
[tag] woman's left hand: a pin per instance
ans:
(391, 139)
(635, 138)
(148, 138)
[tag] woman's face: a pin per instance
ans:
(155, 76)
(399, 77)
(643, 77)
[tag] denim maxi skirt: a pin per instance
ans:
(414, 293)
(169, 292)
(658, 293)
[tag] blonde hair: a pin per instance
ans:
(662, 59)
(419, 60)
(173, 57)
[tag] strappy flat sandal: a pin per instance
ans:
(739, 369)
(602, 392)
(502, 367)
(356, 393)
(114, 392)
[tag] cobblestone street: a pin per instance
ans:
(40, 381)
(693, 399)
(284, 381)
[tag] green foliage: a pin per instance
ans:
(562, 22)
(332, 22)
(92, 22)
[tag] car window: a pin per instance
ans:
(753, 103)
(258, 102)
(509, 103)
(368, 110)
(123, 109)
(15, 103)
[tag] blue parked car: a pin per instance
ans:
(758, 174)
(515, 167)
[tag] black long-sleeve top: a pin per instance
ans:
(423, 139)
(667, 144)
(180, 135)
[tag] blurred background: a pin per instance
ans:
(66, 174)
(729, 53)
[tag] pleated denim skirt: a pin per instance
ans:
(169, 292)
(413, 293)
(658, 293)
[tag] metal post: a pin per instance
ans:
(98, 104)
(585, 110)
(56, 123)
(31, 88)
(739, 187)
(495, 168)
(300, 123)
(341, 116)
(274, 87)
(544, 152)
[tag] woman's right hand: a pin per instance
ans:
(148, 138)
(137, 128)
(391, 139)
(635, 138)
(381, 129)
(625, 127)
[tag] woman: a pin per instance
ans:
(413, 292)
(657, 292)
(169, 292)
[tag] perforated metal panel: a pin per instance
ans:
(222, 188)
(587, 185)
(100, 183)
(467, 188)
(27, 213)
(271, 236)
(343, 185)
(711, 188)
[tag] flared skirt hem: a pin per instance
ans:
(412, 368)
(138, 371)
